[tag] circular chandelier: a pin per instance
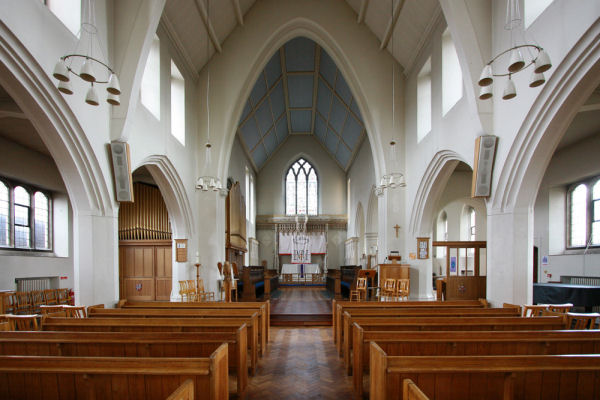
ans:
(538, 58)
(91, 69)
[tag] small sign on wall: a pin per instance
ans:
(422, 248)
(181, 248)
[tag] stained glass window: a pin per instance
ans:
(301, 189)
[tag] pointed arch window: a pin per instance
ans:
(301, 189)
(583, 214)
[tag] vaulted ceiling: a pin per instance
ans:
(301, 92)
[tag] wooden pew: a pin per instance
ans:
(184, 392)
(412, 391)
(33, 377)
(446, 343)
(421, 312)
(486, 377)
(132, 344)
(183, 313)
(264, 307)
(338, 307)
(480, 323)
(159, 325)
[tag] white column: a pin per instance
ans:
(211, 236)
(510, 257)
(96, 259)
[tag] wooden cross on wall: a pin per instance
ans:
(396, 227)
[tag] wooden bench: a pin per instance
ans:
(486, 377)
(412, 392)
(421, 312)
(264, 307)
(338, 307)
(34, 377)
(158, 325)
(183, 313)
(132, 344)
(448, 324)
(448, 343)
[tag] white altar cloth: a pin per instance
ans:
(295, 268)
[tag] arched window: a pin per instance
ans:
(4, 215)
(578, 216)
(472, 224)
(25, 217)
(596, 214)
(301, 189)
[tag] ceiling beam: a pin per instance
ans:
(10, 109)
(391, 24)
(209, 27)
(12, 114)
(238, 12)
(363, 11)
(286, 93)
(590, 107)
(167, 27)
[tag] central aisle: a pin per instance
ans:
(300, 363)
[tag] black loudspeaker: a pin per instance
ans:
(485, 154)
(121, 163)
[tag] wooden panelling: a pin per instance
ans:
(235, 230)
(145, 270)
(139, 289)
(465, 287)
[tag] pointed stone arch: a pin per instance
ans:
(373, 213)
(430, 189)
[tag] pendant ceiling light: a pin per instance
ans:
(89, 60)
(536, 56)
(207, 182)
(394, 179)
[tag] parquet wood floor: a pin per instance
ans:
(301, 300)
(300, 363)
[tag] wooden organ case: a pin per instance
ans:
(235, 228)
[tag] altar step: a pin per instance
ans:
(301, 319)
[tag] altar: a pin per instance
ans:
(300, 269)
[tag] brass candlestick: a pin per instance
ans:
(197, 279)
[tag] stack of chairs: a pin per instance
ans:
(189, 292)
(31, 302)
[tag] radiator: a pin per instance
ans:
(581, 280)
(29, 284)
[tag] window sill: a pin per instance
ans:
(575, 252)
(28, 253)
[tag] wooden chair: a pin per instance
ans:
(234, 285)
(45, 309)
(63, 296)
(10, 303)
(4, 326)
(75, 311)
(361, 290)
(389, 287)
(37, 299)
(183, 290)
(534, 310)
(23, 322)
(23, 303)
(50, 297)
(561, 308)
(403, 288)
(581, 321)
(203, 295)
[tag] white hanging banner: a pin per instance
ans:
(318, 243)
(300, 248)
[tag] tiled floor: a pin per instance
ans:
(300, 363)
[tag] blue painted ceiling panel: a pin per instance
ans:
(300, 88)
(281, 129)
(245, 111)
(320, 128)
(277, 100)
(300, 55)
(301, 120)
(259, 90)
(352, 132)
(343, 155)
(341, 87)
(331, 141)
(338, 115)
(264, 118)
(327, 68)
(273, 69)
(250, 134)
(270, 142)
(323, 99)
(354, 107)
(259, 156)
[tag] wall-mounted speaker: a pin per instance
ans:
(485, 153)
(121, 163)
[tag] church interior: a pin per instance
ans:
(384, 199)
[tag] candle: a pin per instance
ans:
(197, 258)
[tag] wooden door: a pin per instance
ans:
(145, 270)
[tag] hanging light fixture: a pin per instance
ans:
(538, 57)
(392, 180)
(207, 182)
(91, 67)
